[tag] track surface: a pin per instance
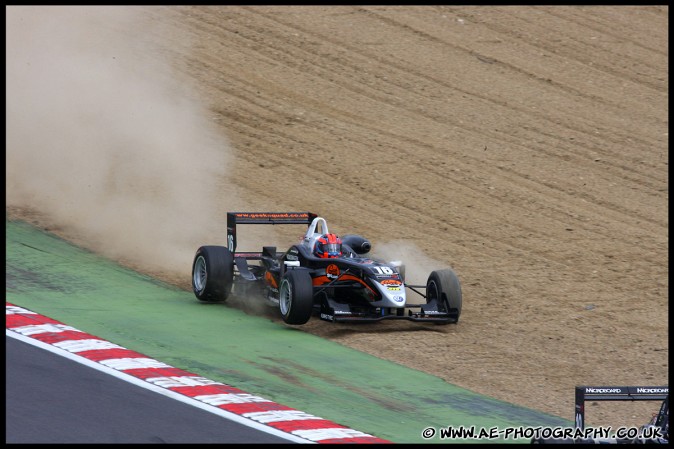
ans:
(526, 147)
(52, 400)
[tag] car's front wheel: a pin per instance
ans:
(296, 297)
(443, 288)
(212, 273)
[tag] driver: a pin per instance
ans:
(328, 246)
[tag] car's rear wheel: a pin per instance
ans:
(443, 288)
(212, 273)
(296, 297)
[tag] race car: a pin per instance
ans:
(656, 431)
(345, 286)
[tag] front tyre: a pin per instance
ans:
(212, 273)
(296, 297)
(443, 288)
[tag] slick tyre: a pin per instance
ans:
(212, 273)
(296, 297)
(444, 288)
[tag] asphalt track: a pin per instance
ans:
(49, 276)
(53, 400)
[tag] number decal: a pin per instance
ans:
(382, 270)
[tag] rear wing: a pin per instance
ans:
(234, 218)
(585, 393)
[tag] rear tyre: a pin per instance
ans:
(296, 297)
(212, 273)
(443, 288)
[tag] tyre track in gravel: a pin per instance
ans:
(417, 210)
(606, 27)
(614, 132)
(551, 154)
(305, 99)
(379, 130)
(577, 49)
(501, 31)
(279, 161)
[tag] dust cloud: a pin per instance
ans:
(106, 141)
(416, 263)
(114, 150)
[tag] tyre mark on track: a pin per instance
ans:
(253, 132)
(574, 48)
(407, 142)
(357, 122)
(289, 136)
(542, 208)
(612, 135)
(294, 57)
(629, 51)
(616, 134)
(502, 30)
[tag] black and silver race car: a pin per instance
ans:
(656, 431)
(348, 288)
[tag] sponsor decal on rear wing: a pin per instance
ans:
(586, 393)
(234, 218)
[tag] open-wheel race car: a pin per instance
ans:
(656, 431)
(322, 275)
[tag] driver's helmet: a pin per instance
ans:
(328, 245)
